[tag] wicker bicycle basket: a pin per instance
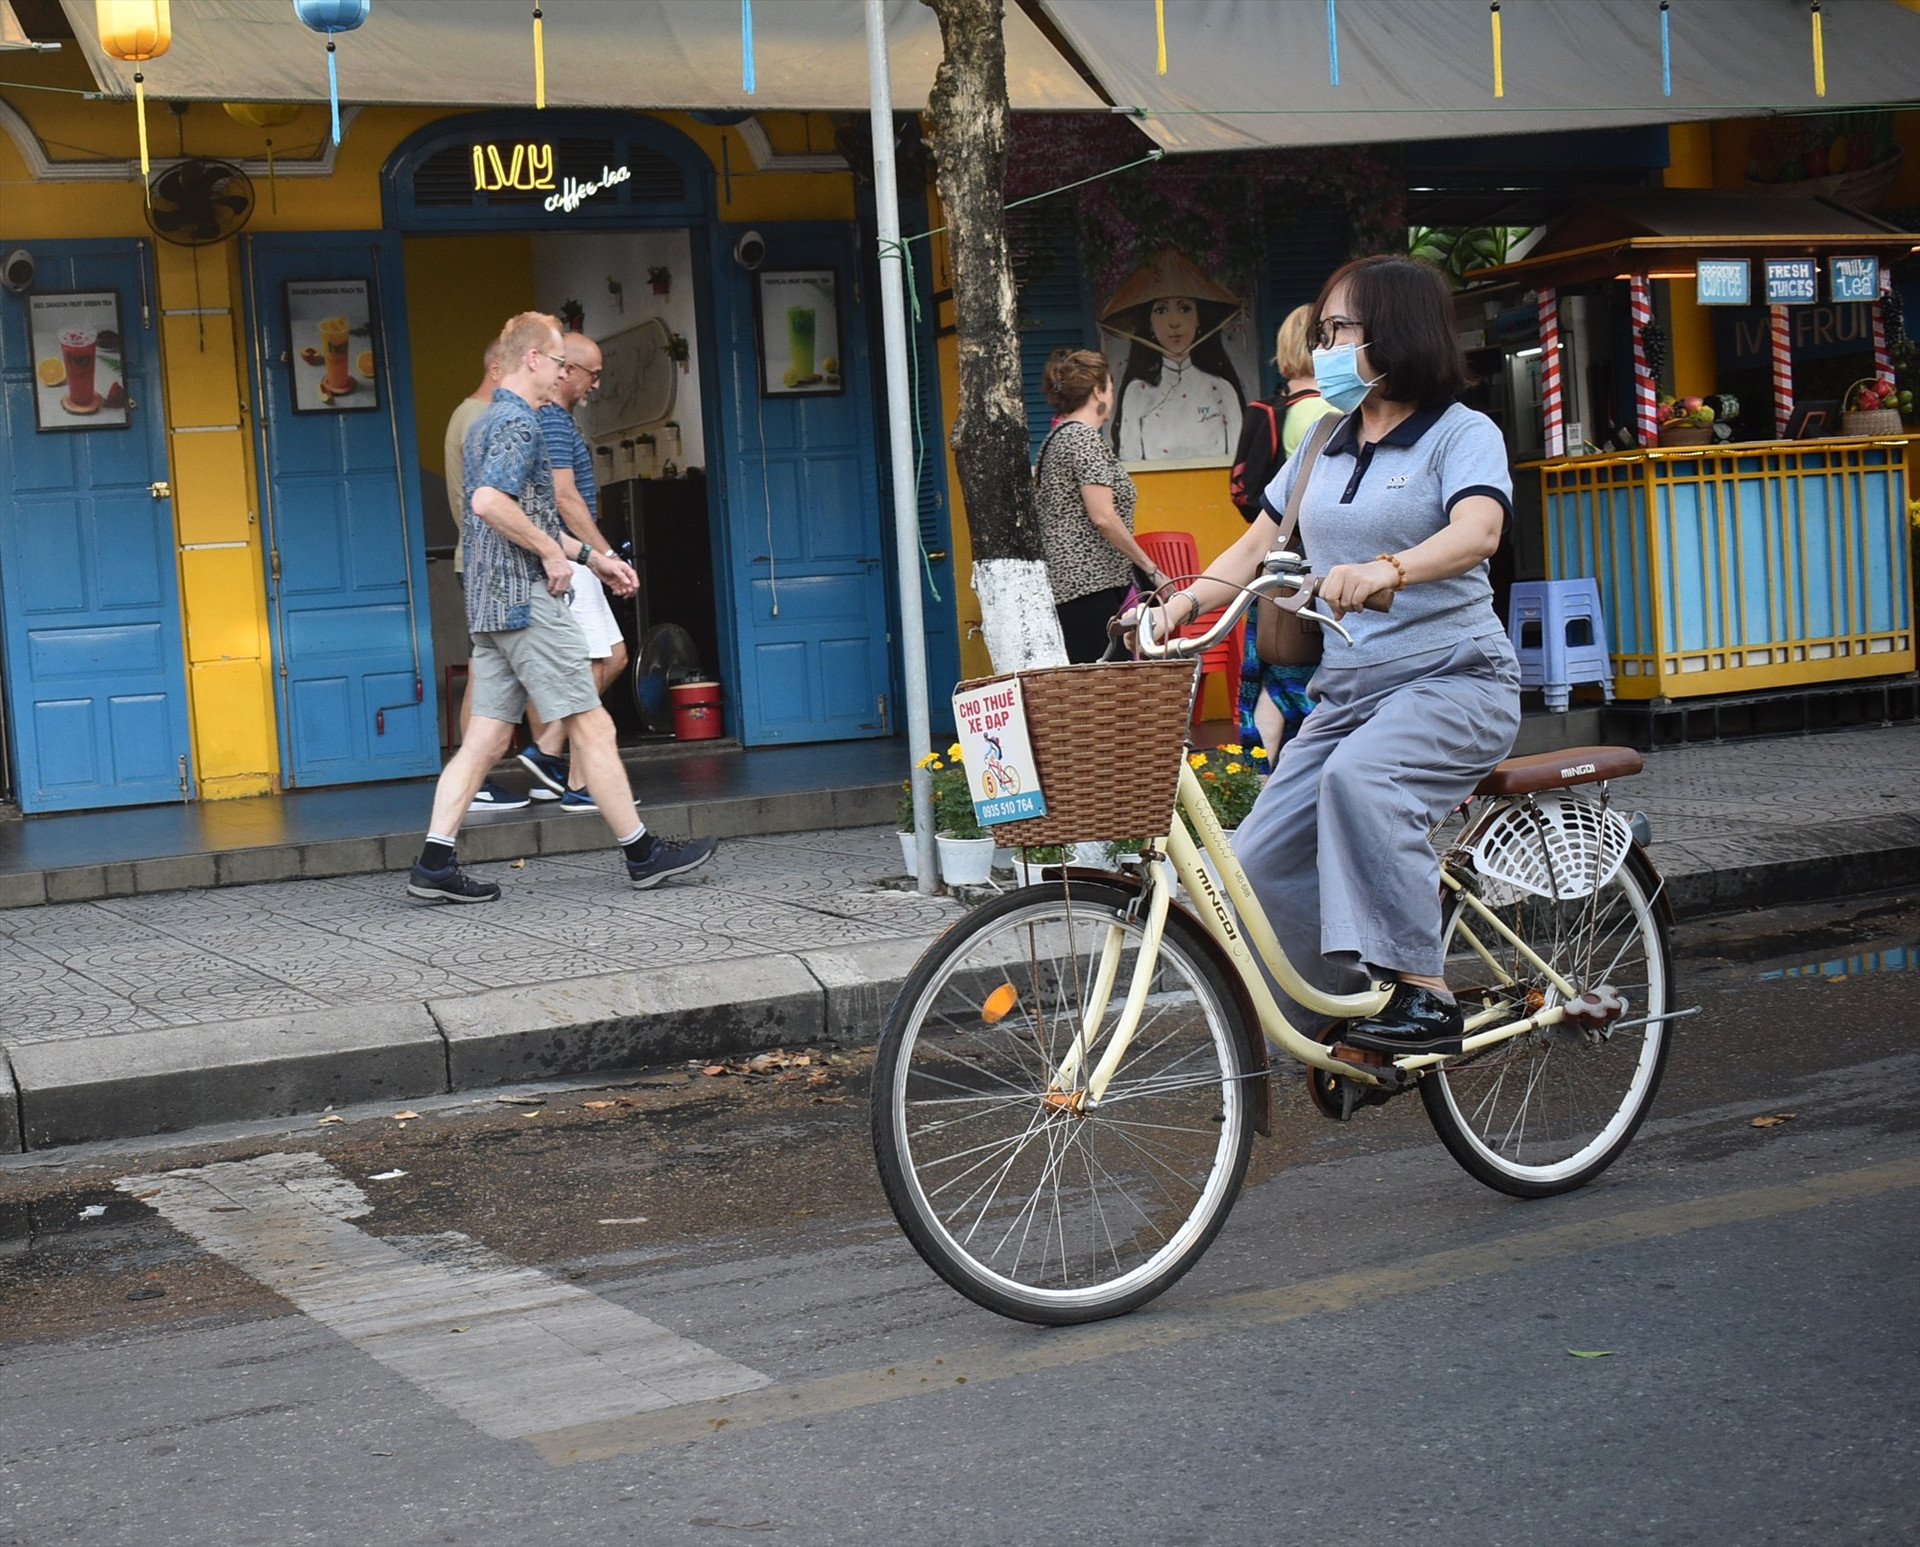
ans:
(1107, 743)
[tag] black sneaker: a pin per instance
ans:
(549, 772)
(1416, 1020)
(449, 885)
(497, 797)
(670, 857)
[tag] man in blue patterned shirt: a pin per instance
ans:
(527, 645)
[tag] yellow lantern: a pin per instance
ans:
(264, 115)
(136, 31)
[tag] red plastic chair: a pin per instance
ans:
(1178, 556)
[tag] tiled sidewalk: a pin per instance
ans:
(184, 958)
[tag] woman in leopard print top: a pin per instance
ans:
(1085, 500)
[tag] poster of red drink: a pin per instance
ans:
(79, 361)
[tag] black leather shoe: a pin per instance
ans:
(1416, 1020)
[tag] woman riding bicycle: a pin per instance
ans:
(1410, 494)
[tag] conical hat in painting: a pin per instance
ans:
(1167, 272)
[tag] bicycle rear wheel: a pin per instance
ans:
(1548, 1111)
(1029, 1203)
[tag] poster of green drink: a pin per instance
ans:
(799, 332)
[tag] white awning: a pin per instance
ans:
(11, 35)
(1248, 73)
(808, 54)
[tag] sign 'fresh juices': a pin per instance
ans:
(992, 725)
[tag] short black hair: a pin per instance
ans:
(1406, 306)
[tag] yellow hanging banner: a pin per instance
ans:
(1499, 68)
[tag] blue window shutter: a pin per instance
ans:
(1051, 296)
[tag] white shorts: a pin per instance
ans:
(594, 616)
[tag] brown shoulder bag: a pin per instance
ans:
(1281, 637)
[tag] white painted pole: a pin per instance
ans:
(906, 516)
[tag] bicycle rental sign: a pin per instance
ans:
(992, 723)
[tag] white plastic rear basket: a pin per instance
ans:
(1557, 846)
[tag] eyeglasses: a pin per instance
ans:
(1328, 332)
(559, 360)
(593, 375)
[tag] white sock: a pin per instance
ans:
(633, 837)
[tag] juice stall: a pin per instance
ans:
(1731, 558)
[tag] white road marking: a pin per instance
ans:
(535, 1354)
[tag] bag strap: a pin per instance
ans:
(1317, 437)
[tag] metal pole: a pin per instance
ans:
(906, 517)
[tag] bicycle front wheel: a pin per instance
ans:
(1548, 1111)
(1023, 1195)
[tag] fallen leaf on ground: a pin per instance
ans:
(151, 1192)
(714, 1069)
(456, 1329)
(332, 1119)
(1773, 1119)
(1591, 1353)
(596, 1106)
(518, 864)
(405, 1117)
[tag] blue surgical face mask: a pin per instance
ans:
(1337, 371)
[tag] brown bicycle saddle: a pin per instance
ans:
(1554, 770)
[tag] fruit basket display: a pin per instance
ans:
(1851, 158)
(1696, 421)
(1874, 407)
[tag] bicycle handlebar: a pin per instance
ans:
(1278, 574)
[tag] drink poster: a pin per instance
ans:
(992, 724)
(799, 332)
(330, 334)
(79, 360)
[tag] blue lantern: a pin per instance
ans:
(331, 16)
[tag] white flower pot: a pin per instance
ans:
(910, 854)
(1005, 859)
(1092, 856)
(965, 861)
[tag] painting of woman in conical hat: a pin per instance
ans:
(1180, 395)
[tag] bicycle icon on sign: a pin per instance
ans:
(998, 779)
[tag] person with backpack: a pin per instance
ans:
(1273, 696)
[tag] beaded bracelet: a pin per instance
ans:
(1398, 568)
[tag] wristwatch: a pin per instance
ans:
(585, 555)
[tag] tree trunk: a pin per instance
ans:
(969, 112)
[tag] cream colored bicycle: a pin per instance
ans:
(1068, 1085)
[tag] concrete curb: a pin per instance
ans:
(149, 1082)
(1780, 865)
(143, 1082)
(9, 1110)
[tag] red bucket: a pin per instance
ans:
(696, 710)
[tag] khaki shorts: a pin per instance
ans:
(546, 661)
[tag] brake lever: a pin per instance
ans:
(1324, 621)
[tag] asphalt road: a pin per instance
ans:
(676, 1311)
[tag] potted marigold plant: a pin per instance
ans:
(1232, 776)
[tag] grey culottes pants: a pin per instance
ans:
(1336, 846)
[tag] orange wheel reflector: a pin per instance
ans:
(999, 1004)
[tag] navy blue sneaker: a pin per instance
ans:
(670, 857)
(449, 885)
(578, 803)
(497, 797)
(549, 773)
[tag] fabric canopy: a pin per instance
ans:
(11, 34)
(1250, 73)
(808, 54)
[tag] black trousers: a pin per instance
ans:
(1084, 622)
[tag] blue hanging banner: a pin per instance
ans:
(746, 47)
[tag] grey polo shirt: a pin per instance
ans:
(1390, 495)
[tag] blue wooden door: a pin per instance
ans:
(89, 584)
(805, 567)
(346, 562)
